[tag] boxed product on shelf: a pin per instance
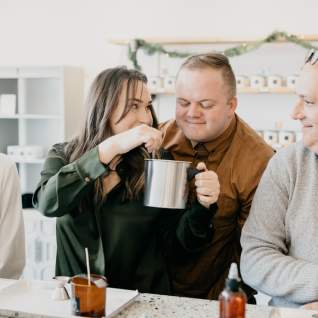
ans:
(280, 138)
(242, 81)
(155, 83)
(258, 81)
(270, 136)
(291, 81)
(25, 152)
(275, 81)
(285, 138)
(169, 83)
(8, 104)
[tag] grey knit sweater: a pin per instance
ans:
(280, 236)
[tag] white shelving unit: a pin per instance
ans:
(266, 110)
(49, 110)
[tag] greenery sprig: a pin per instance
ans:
(153, 48)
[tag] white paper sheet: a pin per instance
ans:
(26, 298)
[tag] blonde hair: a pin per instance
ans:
(216, 61)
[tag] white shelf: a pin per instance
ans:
(207, 40)
(247, 90)
(31, 161)
(163, 92)
(30, 116)
(34, 214)
(266, 90)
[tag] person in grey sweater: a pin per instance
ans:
(280, 237)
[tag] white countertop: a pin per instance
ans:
(6, 282)
(143, 306)
(158, 306)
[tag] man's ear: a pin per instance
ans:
(233, 104)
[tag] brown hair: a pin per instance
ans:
(102, 100)
(216, 61)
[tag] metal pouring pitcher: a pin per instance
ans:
(166, 183)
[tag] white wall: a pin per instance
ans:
(77, 32)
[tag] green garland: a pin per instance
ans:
(150, 49)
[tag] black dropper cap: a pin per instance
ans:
(232, 284)
(233, 281)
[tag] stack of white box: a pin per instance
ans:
(40, 245)
(8, 104)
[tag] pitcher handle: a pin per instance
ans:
(191, 172)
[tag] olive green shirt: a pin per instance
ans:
(128, 242)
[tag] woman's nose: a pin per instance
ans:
(145, 117)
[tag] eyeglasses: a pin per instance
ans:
(312, 57)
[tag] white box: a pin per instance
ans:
(258, 81)
(274, 81)
(13, 150)
(291, 81)
(242, 81)
(169, 83)
(155, 84)
(285, 138)
(270, 136)
(8, 104)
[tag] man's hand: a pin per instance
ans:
(207, 186)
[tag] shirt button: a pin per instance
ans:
(87, 179)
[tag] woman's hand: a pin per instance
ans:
(128, 140)
(207, 186)
(151, 137)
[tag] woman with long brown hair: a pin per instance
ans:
(94, 186)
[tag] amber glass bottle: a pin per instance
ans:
(232, 299)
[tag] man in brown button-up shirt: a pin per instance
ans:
(207, 129)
